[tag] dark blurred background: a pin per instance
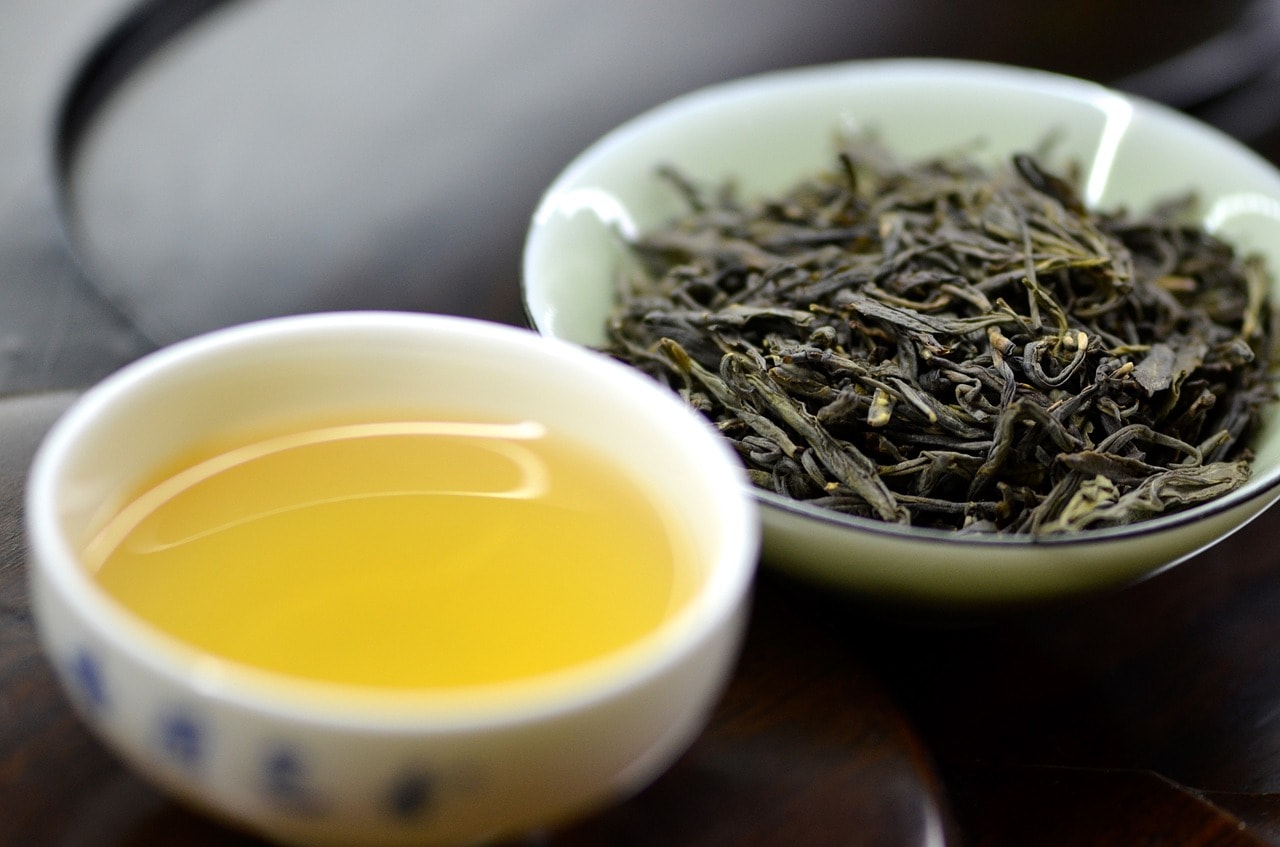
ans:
(287, 155)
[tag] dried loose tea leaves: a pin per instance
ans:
(947, 345)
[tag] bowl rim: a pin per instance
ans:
(864, 72)
(719, 599)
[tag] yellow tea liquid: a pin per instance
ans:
(405, 554)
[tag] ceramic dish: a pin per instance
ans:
(767, 132)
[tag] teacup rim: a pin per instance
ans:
(719, 597)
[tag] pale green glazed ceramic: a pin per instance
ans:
(768, 131)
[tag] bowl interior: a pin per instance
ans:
(767, 132)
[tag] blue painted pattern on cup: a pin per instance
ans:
(87, 680)
(182, 737)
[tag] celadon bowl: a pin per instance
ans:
(317, 763)
(769, 131)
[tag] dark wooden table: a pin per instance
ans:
(285, 156)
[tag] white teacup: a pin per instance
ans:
(304, 764)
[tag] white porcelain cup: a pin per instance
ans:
(304, 764)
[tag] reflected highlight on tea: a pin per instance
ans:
(410, 554)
